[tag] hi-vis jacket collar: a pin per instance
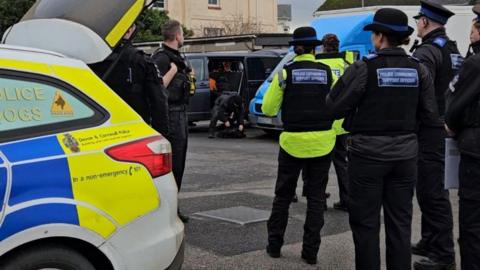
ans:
(87, 30)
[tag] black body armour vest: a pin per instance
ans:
(303, 107)
(179, 87)
(451, 64)
(389, 106)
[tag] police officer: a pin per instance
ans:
(168, 60)
(443, 60)
(338, 62)
(308, 138)
(382, 98)
(137, 81)
(228, 109)
(463, 121)
(474, 36)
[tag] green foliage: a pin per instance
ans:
(151, 30)
(152, 21)
(11, 11)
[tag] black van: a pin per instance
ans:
(246, 72)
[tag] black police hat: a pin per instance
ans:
(390, 21)
(434, 11)
(305, 36)
(476, 10)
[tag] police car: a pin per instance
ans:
(85, 183)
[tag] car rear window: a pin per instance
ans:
(31, 106)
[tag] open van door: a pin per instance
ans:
(87, 30)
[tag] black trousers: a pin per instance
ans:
(341, 166)
(469, 194)
(218, 114)
(434, 201)
(339, 160)
(374, 184)
(178, 137)
(289, 169)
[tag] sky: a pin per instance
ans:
(302, 11)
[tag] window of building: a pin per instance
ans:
(160, 4)
(214, 3)
(213, 32)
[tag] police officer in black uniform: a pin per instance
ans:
(228, 109)
(441, 56)
(137, 81)
(474, 35)
(383, 97)
(463, 121)
(168, 60)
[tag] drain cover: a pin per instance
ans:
(240, 215)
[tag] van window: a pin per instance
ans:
(258, 66)
(198, 67)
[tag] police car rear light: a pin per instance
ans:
(154, 153)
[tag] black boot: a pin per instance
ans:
(273, 252)
(312, 260)
(340, 206)
(420, 249)
(429, 264)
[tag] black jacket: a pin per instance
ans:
(228, 104)
(179, 85)
(463, 106)
(442, 58)
(346, 96)
(138, 82)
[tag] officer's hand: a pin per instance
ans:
(240, 128)
(450, 132)
(227, 124)
(173, 67)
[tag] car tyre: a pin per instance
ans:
(47, 257)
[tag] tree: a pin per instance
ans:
(232, 25)
(11, 11)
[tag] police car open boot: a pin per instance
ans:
(430, 264)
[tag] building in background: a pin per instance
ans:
(296, 13)
(210, 18)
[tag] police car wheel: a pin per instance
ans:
(47, 257)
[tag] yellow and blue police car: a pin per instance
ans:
(84, 182)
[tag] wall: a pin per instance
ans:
(197, 15)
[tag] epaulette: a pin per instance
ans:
(440, 41)
(415, 59)
(289, 63)
(370, 56)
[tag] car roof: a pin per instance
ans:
(18, 53)
(262, 53)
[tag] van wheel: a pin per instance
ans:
(47, 257)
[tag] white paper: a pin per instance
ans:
(452, 162)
